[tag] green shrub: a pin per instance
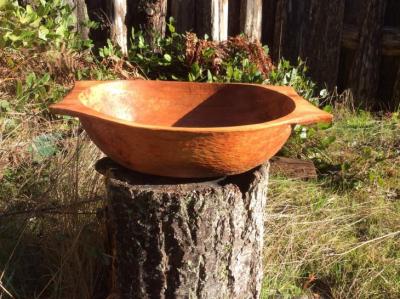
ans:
(45, 23)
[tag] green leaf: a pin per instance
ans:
(29, 9)
(209, 76)
(4, 4)
(18, 89)
(5, 105)
(44, 146)
(328, 140)
(171, 27)
(167, 57)
(30, 79)
(43, 31)
(141, 43)
(173, 77)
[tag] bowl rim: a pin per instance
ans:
(303, 112)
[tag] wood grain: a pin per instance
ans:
(250, 19)
(364, 74)
(219, 20)
(390, 42)
(119, 29)
(312, 30)
(81, 14)
(183, 11)
(183, 129)
(293, 168)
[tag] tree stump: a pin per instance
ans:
(185, 238)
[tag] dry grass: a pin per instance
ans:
(339, 236)
(51, 238)
(336, 236)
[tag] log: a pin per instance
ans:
(364, 74)
(293, 168)
(250, 18)
(185, 238)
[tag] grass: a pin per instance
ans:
(339, 236)
(336, 236)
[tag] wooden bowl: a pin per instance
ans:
(187, 130)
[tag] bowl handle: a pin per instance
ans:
(70, 104)
(304, 112)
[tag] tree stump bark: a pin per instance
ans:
(149, 16)
(185, 238)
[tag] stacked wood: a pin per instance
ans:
(185, 238)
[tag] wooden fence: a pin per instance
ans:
(346, 43)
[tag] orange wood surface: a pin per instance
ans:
(184, 129)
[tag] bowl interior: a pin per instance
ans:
(184, 104)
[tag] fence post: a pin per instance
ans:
(396, 90)
(119, 30)
(364, 74)
(212, 18)
(316, 39)
(219, 20)
(183, 13)
(251, 18)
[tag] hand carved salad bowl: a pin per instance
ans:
(188, 130)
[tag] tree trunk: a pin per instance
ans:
(250, 18)
(185, 238)
(148, 15)
(364, 75)
(312, 30)
(81, 14)
(116, 12)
